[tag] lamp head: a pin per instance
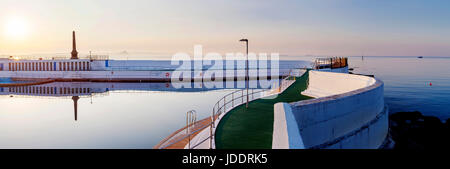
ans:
(243, 40)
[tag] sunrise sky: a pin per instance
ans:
(164, 27)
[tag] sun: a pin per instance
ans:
(16, 28)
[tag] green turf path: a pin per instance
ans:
(252, 128)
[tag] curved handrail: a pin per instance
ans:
(227, 103)
(222, 109)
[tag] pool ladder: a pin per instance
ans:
(191, 118)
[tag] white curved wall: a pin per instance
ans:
(322, 84)
(351, 113)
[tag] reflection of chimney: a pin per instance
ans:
(74, 47)
(75, 106)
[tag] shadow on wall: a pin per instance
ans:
(412, 130)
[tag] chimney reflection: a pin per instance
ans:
(75, 106)
(78, 90)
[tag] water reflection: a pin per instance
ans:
(98, 115)
(75, 106)
(83, 90)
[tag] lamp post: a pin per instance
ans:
(247, 79)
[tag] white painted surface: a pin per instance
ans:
(128, 69)
(139, 65)
(371, 136)
(352, 103)
(323, 84)
(280, 138)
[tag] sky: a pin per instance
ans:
(165, 27)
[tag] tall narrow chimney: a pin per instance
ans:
(74, 47)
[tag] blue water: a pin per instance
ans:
(4, 80)
(407, 82)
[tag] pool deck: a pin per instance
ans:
(179, 139)
(252, 127)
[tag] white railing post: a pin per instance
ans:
(218, 110)
(211, 133)
(213, 120)
(242, 96)
(190, 121)
(232, 100)
(253, 94)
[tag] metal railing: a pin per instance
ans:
(220, 108)
(95, 57)
(237, 98)
(183, 134)
(30, 57)
(332, 62)
(191, 118)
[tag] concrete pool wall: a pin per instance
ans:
(128, 75)
(137, 70)
(348, 112)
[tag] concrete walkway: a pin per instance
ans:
(252, 128)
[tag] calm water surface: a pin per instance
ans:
(407, 82)
(141, 118)
(125, 119)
